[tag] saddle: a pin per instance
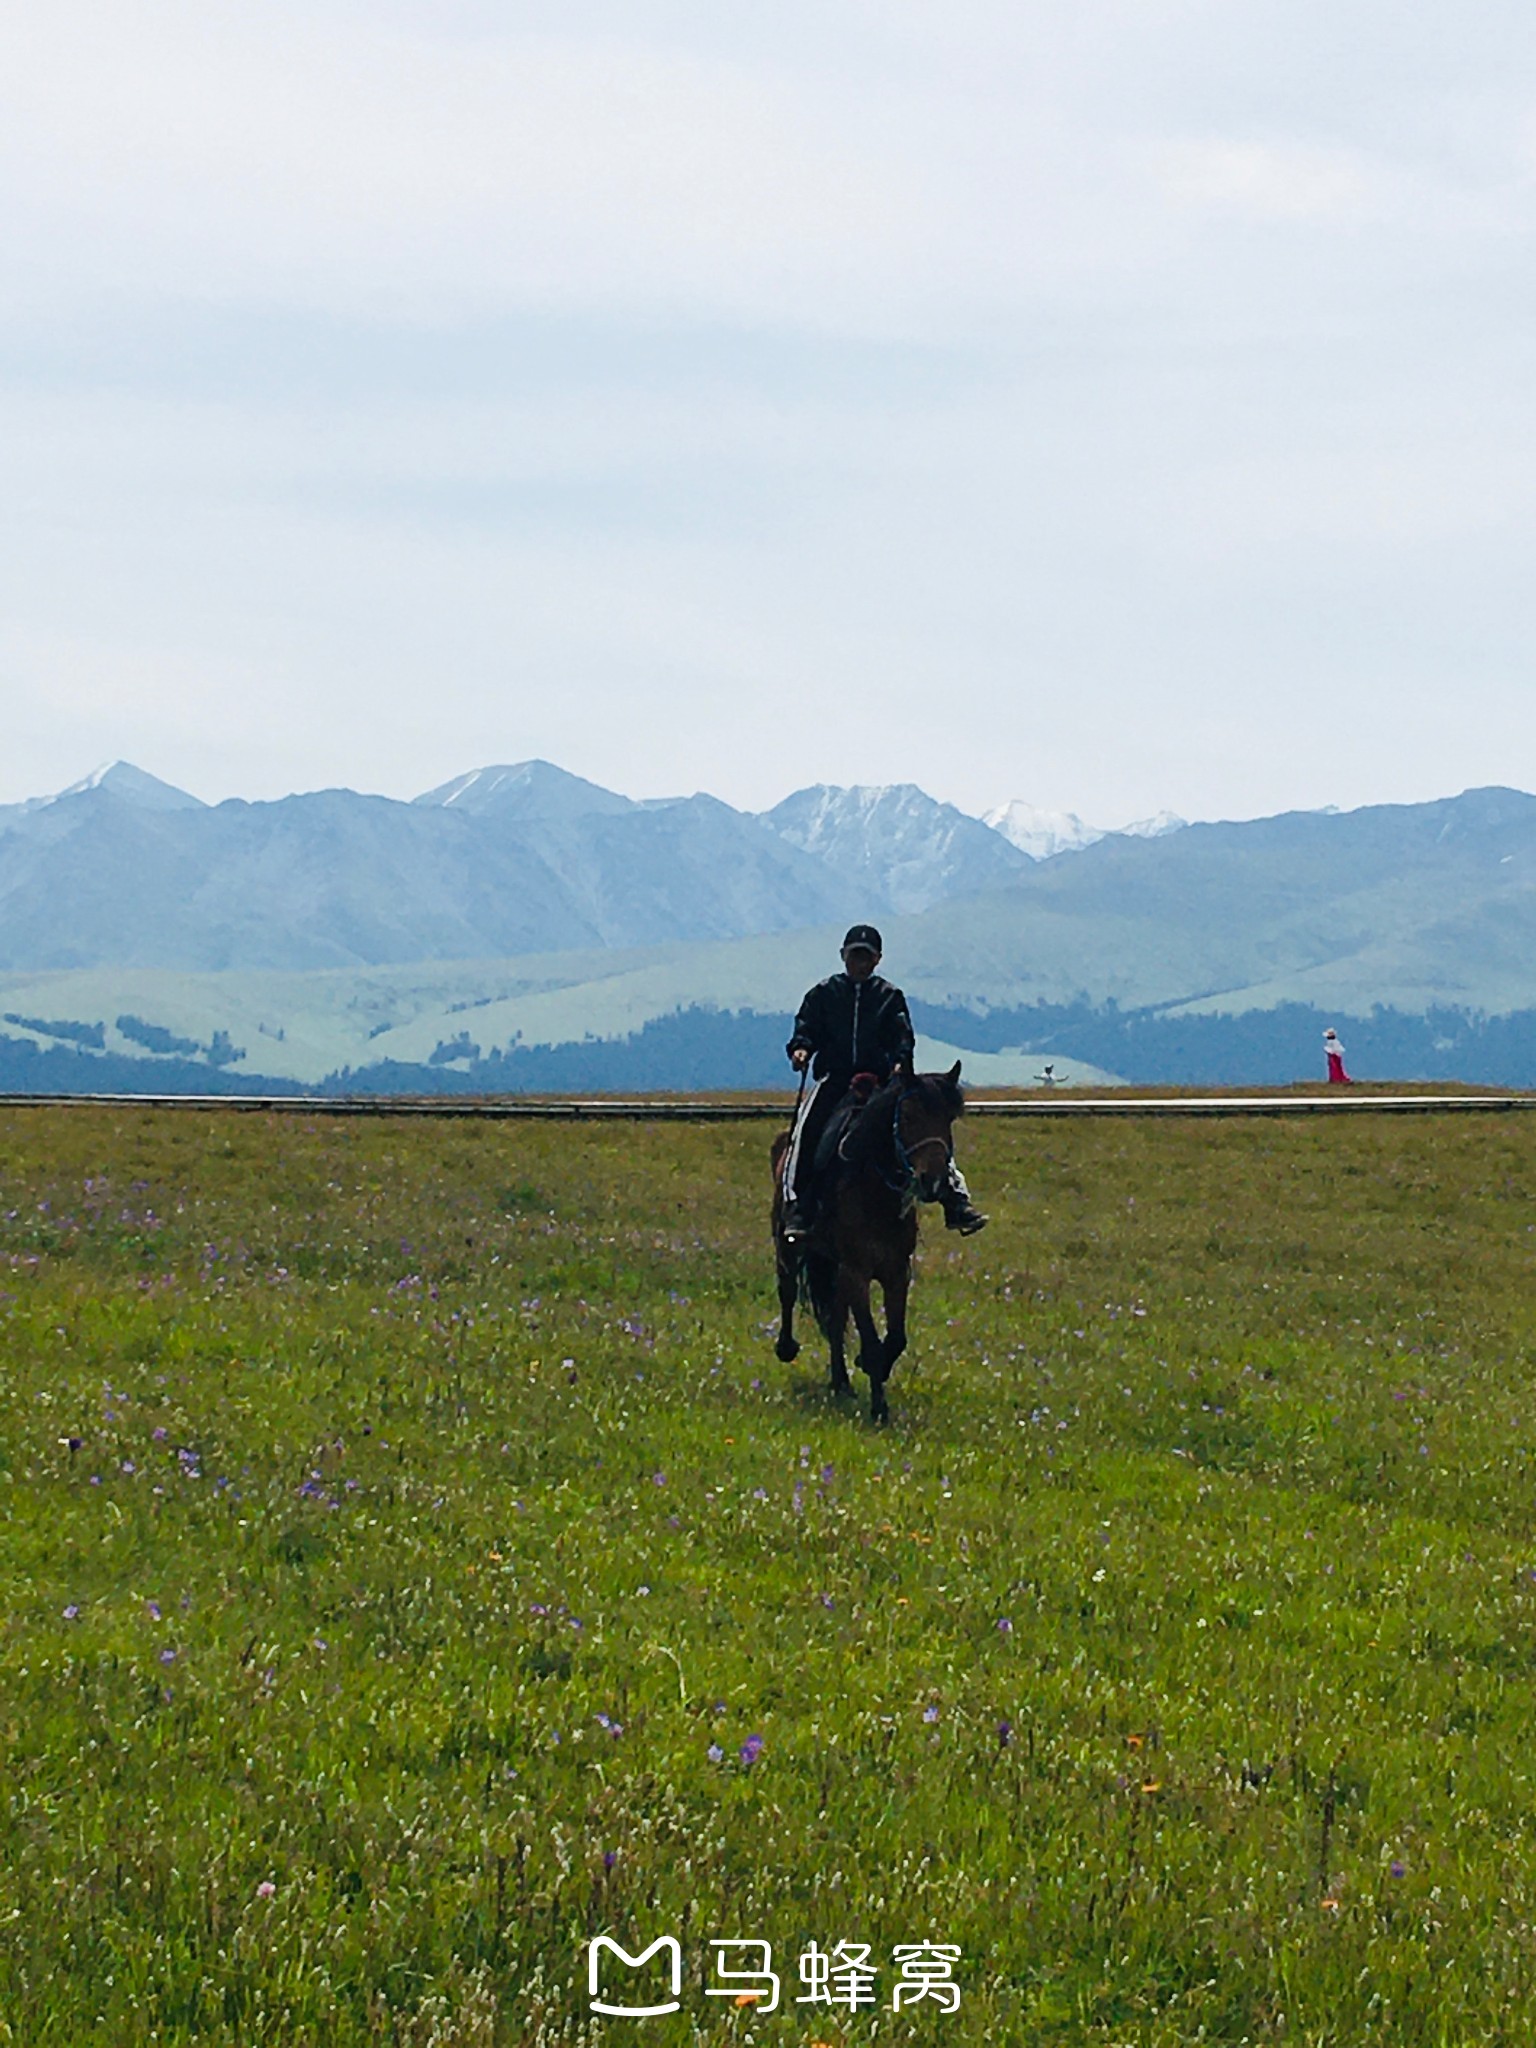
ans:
(824, 1163)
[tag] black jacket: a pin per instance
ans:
(854, 1027)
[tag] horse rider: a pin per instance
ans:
(852, 1023)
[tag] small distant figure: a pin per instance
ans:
(1334, 1049)
(1048, 1075)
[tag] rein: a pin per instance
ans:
(907, 1181)
(910, 1186)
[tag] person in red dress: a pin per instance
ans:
(1334, 1048)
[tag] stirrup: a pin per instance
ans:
(792, 1221)
(966, 1218)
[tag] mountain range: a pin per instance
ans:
(124, 870)
(518, 907)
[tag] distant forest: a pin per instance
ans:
(697, 1049)
(709, 1049)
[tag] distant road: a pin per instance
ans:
(682, 1109)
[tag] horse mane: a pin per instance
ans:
(869, 1139)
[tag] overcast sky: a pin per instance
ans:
(1110, 405)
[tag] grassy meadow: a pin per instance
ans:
(415, 1563)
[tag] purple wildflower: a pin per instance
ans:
(1398, 1869)
(751, 1750)
(167, 1656)
(1004, 1733)
(715, 1753)
(610, 1857)
(72, 1612)
(930, 1713)
(152, 1609)
(1005, 1627)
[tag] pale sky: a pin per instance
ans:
(1110, 405)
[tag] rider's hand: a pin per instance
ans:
(800, 1058)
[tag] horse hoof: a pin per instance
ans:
(841, 1384)
(787, 1348)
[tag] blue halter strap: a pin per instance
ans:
(910, 1184)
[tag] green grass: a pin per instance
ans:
(397, 1516)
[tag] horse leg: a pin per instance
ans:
(786, 1346)
(836, 1330)
(895, 1284)
(841, 1384)
(878, 1356)
(895, 1278)
(871, 1348)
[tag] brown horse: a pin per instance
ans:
(894, 1154)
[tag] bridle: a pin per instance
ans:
(907, 1181)
(912, 1186)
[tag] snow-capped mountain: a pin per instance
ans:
(1155, 827)
(897, 846)
(1039, 833)
(120, 779)
(133, 786)
(528, 789)
(1043, 834)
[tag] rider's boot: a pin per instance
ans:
(960, 1212)
(798, 1213)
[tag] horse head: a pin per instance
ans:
(922, 1123)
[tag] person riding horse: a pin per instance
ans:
(853, 1023)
